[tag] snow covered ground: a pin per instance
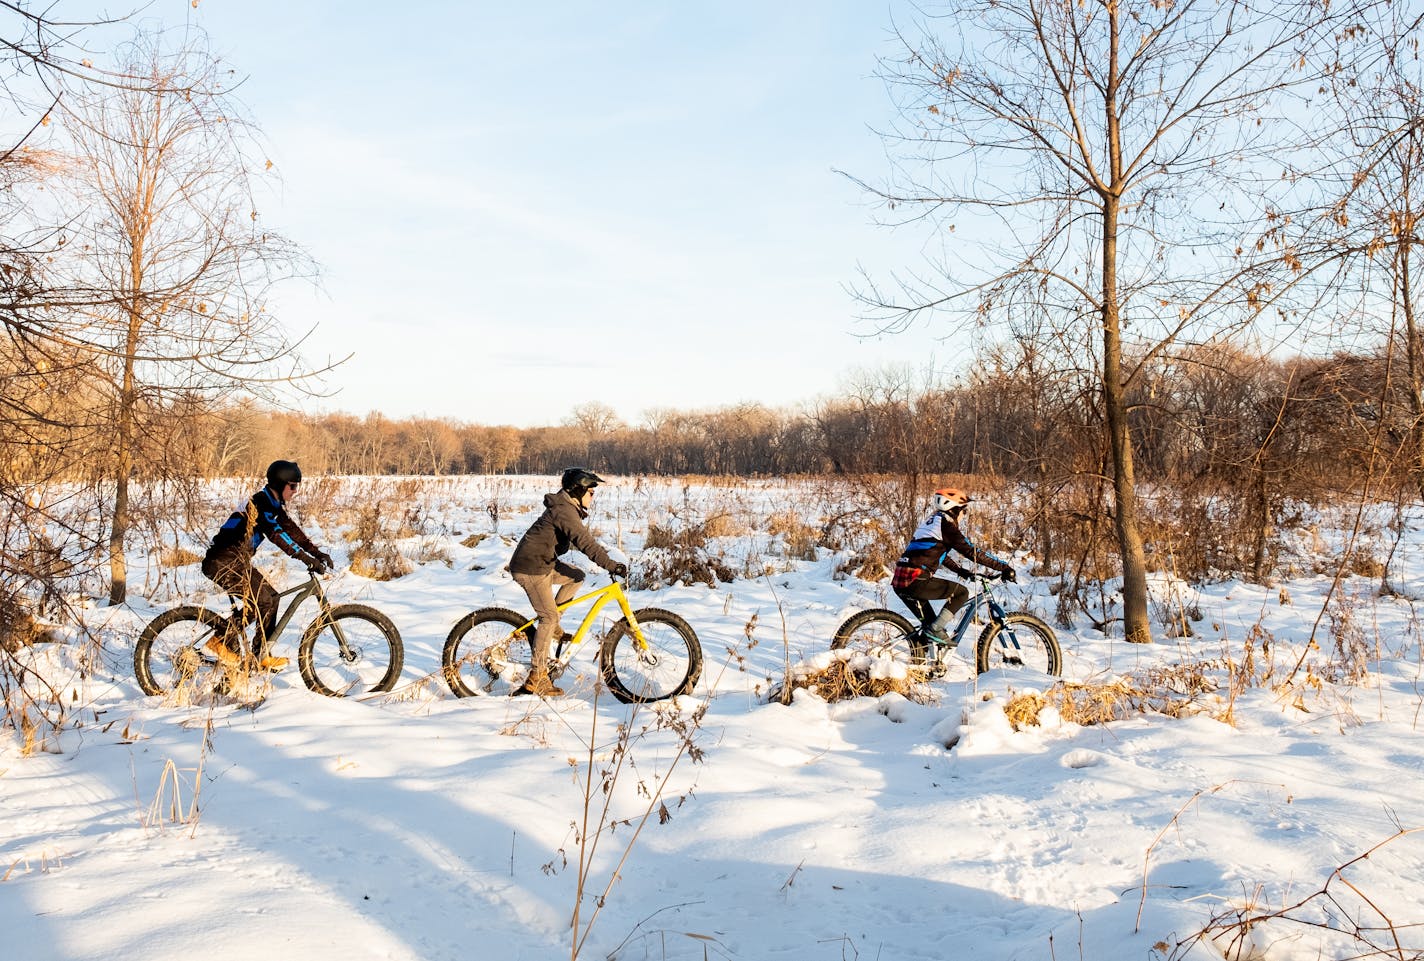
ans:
(422, 826)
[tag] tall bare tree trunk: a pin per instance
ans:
(123, 469)
(1412, 358)
(1136, 625)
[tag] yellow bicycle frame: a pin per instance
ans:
(601, 598)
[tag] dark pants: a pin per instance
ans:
(918, 594)
(540, 588)
(234, 573)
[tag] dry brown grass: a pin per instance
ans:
(798, 539)
(174, 555)
(374, 553)
(671, 555)
(849, 676)
(18, 627)
(1180, 690)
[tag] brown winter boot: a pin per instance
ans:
(538, 683)
(225, 655)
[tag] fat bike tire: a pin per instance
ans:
(882, 633)
(170, 652)
(484, 648)
(1021, 643)
(374, 658)
(669, 666)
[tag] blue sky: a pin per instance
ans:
(522, 208)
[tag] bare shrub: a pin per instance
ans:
(1174, 691)
(1364, 564)
(798, 539)
(374, 553)
(671, 555)
(18, 627)
(843, 674)
(873, 545)
(1349, 660)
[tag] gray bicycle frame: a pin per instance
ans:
(302, 592)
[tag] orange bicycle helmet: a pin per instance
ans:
(948, 499)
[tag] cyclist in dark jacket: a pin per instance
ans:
(229, 559)
(915, 582)
(536, 566)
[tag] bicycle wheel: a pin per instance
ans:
(170, 652)
(669, 666)
(1021, 643)
(371, 661)
(882, 633)
(484, 648)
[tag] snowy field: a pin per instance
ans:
(422, 826)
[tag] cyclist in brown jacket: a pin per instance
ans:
(536, 566)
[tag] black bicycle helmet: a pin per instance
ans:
(283, 472)
(576, 480)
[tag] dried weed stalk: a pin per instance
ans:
(1340, 907)
(600, 777)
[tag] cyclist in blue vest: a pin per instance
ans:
(229, 559)
(917, 580)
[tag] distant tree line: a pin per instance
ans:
(1248, 432)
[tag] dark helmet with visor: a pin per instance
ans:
(577, 480)
(283, 472)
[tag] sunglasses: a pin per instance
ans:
(292, 484)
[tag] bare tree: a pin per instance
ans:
(595, 419)
(170, 265)
(1382, 190)
(1117, 161)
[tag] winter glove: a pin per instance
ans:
(1008, 575)
(619, 570)
(326, 560)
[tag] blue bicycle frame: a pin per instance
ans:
(997, 615)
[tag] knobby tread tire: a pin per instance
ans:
(143, 647)
(457, 667)
(894, 624)
(635, 689)
(985, 648)
(393, 656)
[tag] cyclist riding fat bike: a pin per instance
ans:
(536, 566)
(229, 559)
(917, 580)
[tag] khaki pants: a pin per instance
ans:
(540, 588)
